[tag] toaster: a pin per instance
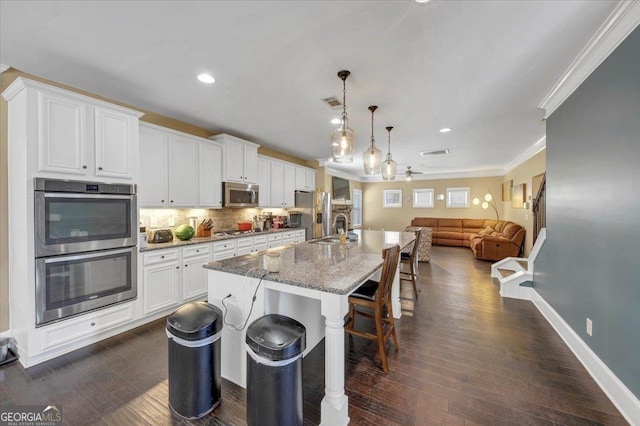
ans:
(160, 236)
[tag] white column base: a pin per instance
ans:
(395, 295)
(332, 414)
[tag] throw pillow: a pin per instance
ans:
(487, 231)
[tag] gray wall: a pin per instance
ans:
(590, 264)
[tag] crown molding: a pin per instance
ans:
(618, 25)
(525, 155)
(3, 68)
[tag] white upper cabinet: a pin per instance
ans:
(305, 179)
(178, 170)
(264, 182)
(282, 184)
(76, 135)
(114, 132)
(240, 159)
(210, 175)
(183, 171)
(153, 186)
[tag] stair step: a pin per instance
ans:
(504, 273)
(524, 263)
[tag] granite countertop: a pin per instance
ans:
(333, 268)
(213, 238)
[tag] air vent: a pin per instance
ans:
(434, 152)
(333, 102)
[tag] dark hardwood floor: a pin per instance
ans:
(466, 357)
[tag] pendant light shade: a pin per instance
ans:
(389, 167)
(372, 157)
(343, 139)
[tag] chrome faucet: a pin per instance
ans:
(346, 222)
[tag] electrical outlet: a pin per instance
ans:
(172, 221)
(589, 327)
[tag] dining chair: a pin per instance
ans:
(411, 260)
(376, 297)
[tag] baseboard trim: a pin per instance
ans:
(618, 393)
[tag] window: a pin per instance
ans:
(457, 197)
(392, 198)
(356, 212)
(423, 198)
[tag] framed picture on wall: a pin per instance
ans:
(506, 190)
(518, 196)
(392, 198)
(423, 198)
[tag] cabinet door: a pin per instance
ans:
(64, 135)
(210, 175)
(289, 187)
(311, 180)
(234, 161)
(115, 143)
(154, 169)
(301, 178)
(250, 164)
(183, 172)
(160, 286)
(277, 184)
(264, 182)
(194, 277)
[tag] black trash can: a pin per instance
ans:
(274, 371)
(194, 332)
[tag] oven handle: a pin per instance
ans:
(103, 253)
(99, 196)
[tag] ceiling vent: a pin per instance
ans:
(333, 102)
(435, 152)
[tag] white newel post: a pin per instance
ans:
(335, 407)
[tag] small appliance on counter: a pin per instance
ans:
(160, 236)
(295, 220)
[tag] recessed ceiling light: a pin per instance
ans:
(445, 130)
(206, 78)
(336, 121)
(435, 152)
(423, 1)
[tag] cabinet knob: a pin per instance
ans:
(162, 201)
(99, 168)
(162, 257)
(177, 267)
(84, 167)
(93, 324)
(186, 266)
(197, 251)
(171, 201)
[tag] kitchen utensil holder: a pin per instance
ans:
(201, 232)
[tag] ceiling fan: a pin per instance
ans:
(409, 173)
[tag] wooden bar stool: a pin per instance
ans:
(411, 259)
(377, 296)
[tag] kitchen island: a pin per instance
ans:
(314, 281)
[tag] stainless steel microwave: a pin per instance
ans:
(239, 194)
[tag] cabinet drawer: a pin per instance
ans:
(244, 242)
(74, 329)
(160, 256)
(274, 237)
(224, 254)
(262, 239)
(196, 250)
(224, 246)
(288, 235)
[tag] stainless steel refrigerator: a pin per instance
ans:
(315, 208)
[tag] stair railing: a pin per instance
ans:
(540, 209)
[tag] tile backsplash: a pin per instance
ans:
(223, 219)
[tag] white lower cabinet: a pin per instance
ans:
(260, 243)
(292, 237)
(244, 246)
(173, 276)
(224, 250)
(274, 240)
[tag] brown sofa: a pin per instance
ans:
(488, 239)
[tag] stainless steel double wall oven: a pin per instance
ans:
(85, 246)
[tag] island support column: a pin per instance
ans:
(395, 295)
(335, 406)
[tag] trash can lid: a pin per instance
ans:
(195, 321)
(276, 337)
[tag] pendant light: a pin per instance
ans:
(343, 139)
(389, 166)
(372, 157)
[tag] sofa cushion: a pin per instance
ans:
(454, 225)
(487, 231)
